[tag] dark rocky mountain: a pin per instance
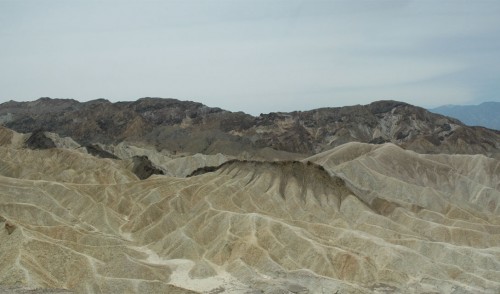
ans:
(38, 140)
(185, 126)
(144, 168)
(486, 114)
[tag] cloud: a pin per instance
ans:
(258, 56)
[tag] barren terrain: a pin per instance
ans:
(360, 218)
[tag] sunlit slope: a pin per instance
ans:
(361, 218)
(455, 184)
(62, 165)
(57, 164)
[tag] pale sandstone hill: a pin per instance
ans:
(56, 164)
(59, 160)
(359, 218)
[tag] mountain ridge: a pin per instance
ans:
(191, 127)
(486, 114)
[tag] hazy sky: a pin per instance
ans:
(254, 56)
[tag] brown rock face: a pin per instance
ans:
(38, 140)
(96, 150)
(184, 126)
(144, 168)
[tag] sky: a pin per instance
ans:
(254, 56)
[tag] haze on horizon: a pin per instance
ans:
(253, 56)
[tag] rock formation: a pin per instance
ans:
(38, 140)
(144, 168)
(189, 127)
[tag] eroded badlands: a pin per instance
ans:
(360, 218)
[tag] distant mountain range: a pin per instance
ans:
(486, 114)
(190, 127)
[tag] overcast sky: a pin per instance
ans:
(253, 56)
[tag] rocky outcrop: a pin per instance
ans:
(38, 140)
(96, 150)
(144, 168)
